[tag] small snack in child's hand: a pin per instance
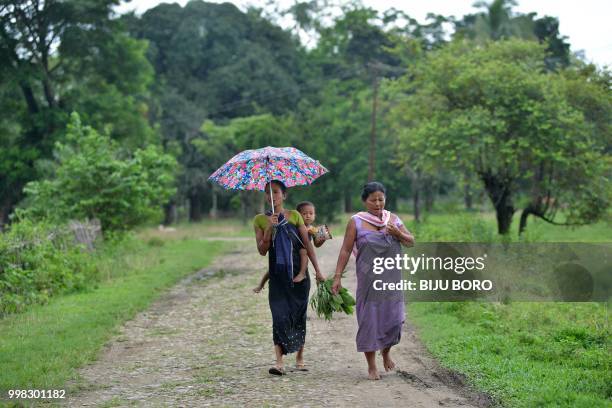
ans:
(322, 233)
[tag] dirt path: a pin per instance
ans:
(208, 343)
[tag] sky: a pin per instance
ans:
(583, 22)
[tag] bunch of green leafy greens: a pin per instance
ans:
(325, 302)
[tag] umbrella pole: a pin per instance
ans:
(270, 182)
(271, 198)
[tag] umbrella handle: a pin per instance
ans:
(270, 182)
(271, 197)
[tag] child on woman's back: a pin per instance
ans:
(307, 210)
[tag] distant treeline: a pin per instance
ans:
(498, 108)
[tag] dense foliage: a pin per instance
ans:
(40, 260)
(204, 81)
(57, 57)
(93, 178)
(495, 112)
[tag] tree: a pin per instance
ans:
(56, 57)
(214, 62)
(573, 175)
(522, 133)
(221, 142)
(94, 178)
(498, 21)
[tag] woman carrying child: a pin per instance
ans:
(281, 235)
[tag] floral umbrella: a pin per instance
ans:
(253, 169)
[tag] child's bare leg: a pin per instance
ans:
(387, 362)
(303, 265)
(372, 369)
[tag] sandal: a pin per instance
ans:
(301, 367)
(276, 371)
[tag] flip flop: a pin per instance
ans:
(301, 367)
(276, 371)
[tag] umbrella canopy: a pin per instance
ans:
(253, 169)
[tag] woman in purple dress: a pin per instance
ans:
(375, 233)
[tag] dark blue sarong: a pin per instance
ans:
(288, 300)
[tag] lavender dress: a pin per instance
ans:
(380, 314)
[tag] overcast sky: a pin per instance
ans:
(583, 22)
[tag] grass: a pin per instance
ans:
(465, 226)
(207, 228)
(472, 226)
(522, 354)
(41, 348)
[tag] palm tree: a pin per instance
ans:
(497, 21)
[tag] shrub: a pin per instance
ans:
(37, 261)
(95, 178)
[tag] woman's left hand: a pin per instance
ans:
(394, 231)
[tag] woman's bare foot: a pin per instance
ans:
(387, 362)
(299, 277)
(257, 289)
(373, 374)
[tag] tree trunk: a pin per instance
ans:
(49, 96)
(170, 212)
(28, 94)
(10, 199)
(195, 209)
(415, 185)
(372, 158)
(524, 215)
(5, 210)
(429, 193)
(244, 207)
(499, 191)
(348, 203)
(214, 211)
(468, 196)
(416, 204)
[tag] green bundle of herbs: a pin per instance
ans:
(324, 302)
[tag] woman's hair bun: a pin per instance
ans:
(372, 187)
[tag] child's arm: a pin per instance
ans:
(262, 283)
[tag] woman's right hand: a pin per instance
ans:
(273, 219)
(336, 286)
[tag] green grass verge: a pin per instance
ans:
(464, 226)
(206, 228)
(41, 348)
(524, 354)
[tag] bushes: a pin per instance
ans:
(95, 178)
(37, 261)
(92, 177)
